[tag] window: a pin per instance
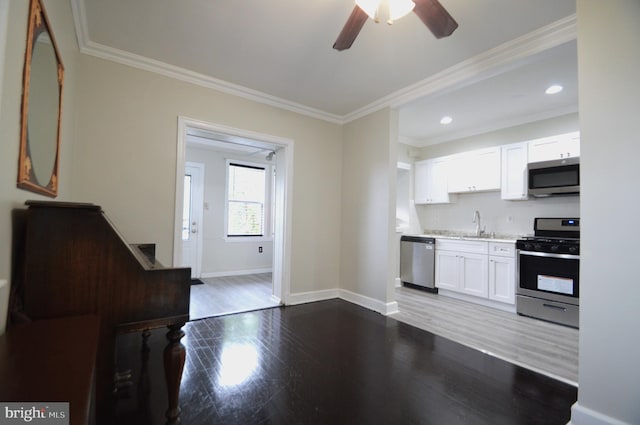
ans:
(246, 199)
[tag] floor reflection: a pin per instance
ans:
(238, 362)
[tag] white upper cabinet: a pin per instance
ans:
(514, 171)
(431, 179)
(555, 147)
(474, 171)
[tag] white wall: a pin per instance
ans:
(220, 256)
(12, 64)
(503, 217)
(608, 68)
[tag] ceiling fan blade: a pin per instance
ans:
(435, 17)
(351, 29)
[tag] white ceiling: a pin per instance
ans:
(280, 52)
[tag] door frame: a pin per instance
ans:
(283, 202)
(200, 215)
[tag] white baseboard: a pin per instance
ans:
(511, 308)
(581, 415)
(276, 299)
(236, 272)
(313, 296)
(352, 297)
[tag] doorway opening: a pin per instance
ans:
(235, 232)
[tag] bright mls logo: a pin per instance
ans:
(36, 413)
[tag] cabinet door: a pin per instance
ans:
(571, 146)
(475, 171)
(502, 279)
(555, 147)
(486, 169)
(448, 270)
(544, 149)
(514, 171)
(459, 180)
(474, 279)
(431, 179)
(439, 179)
(421, 182)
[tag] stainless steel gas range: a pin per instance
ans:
(549, 271)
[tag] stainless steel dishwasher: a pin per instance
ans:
(417, 262)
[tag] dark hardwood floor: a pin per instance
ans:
(333, 362)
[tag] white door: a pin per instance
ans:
(192, 217)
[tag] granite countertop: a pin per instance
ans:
(459, 235)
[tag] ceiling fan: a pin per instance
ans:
(431, 12)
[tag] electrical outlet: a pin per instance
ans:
(260, 249)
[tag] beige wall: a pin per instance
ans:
(59, 13)
(368, 206)
(608, 69)
(126, 150)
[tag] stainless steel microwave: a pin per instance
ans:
(556, 177)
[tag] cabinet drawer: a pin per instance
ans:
(502, 249)
(474, 247)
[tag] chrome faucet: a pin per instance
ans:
(476, 220)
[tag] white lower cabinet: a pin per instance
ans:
(474, 278)
(462, 266)
(448, 270)
(502, 274)
(478, 268)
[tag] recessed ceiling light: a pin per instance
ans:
(553, 89)
(446, 120)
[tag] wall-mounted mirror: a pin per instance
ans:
(41, 107)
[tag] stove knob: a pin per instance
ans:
(537, 247)
(555, 248)
(573, 249)
(528, 246)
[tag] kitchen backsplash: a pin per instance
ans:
(496, 215)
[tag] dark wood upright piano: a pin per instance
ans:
(74, 262)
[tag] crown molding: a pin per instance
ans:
(484, 65)
(91, 48)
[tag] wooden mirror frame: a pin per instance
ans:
(27, 179)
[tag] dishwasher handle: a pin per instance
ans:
(418, 239)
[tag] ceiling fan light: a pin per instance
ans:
(399, 8)
(369, 7)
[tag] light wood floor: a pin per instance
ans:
(231, 294)
(544, 347)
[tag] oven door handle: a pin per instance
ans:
(551, 255)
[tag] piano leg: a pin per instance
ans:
(174, 357)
